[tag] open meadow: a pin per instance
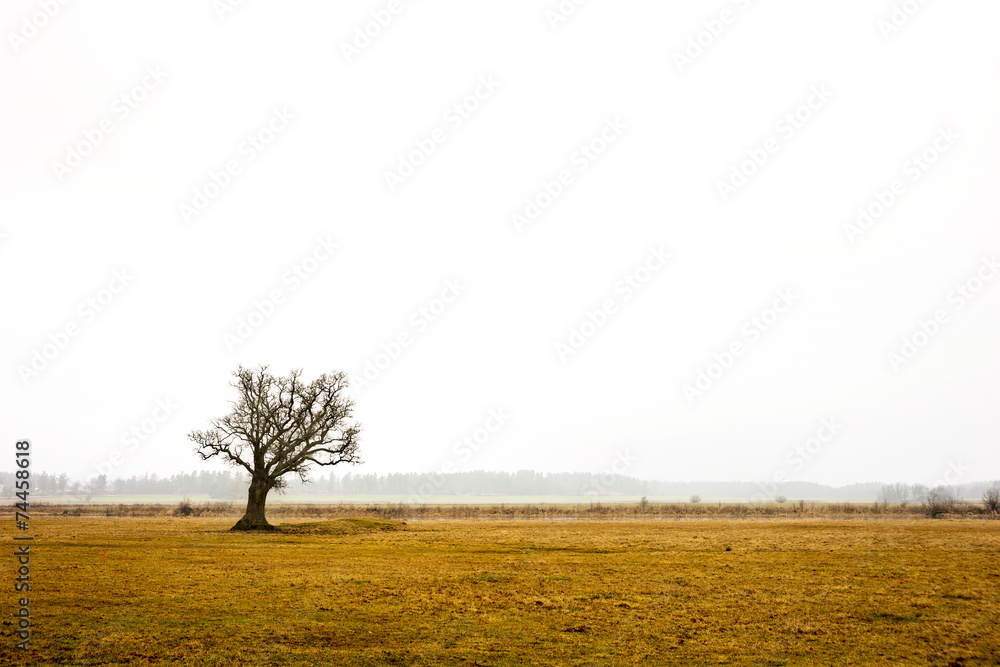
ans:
(167, 590)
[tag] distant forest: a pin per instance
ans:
(416, 487)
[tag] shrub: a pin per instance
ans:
(695, 499)
(991, 499)
(184, 508)
(938, 501)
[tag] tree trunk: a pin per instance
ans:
(254, 518)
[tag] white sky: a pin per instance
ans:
(676, 135)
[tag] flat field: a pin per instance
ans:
(186, 591)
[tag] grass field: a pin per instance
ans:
(372, 592)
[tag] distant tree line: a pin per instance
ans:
(224, 484)
(417, 486)
(902, 493)
(941, 500)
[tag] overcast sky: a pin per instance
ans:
(624, 237)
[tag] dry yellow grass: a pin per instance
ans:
(365, 592)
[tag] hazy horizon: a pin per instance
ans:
(955, 479)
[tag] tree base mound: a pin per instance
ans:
(243, 525)
(341, 527)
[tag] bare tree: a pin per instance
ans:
(939, 500)
(280, 425)
(991, 498)
(894, 493)
(695, 499)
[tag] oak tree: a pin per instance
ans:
(280, 426)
